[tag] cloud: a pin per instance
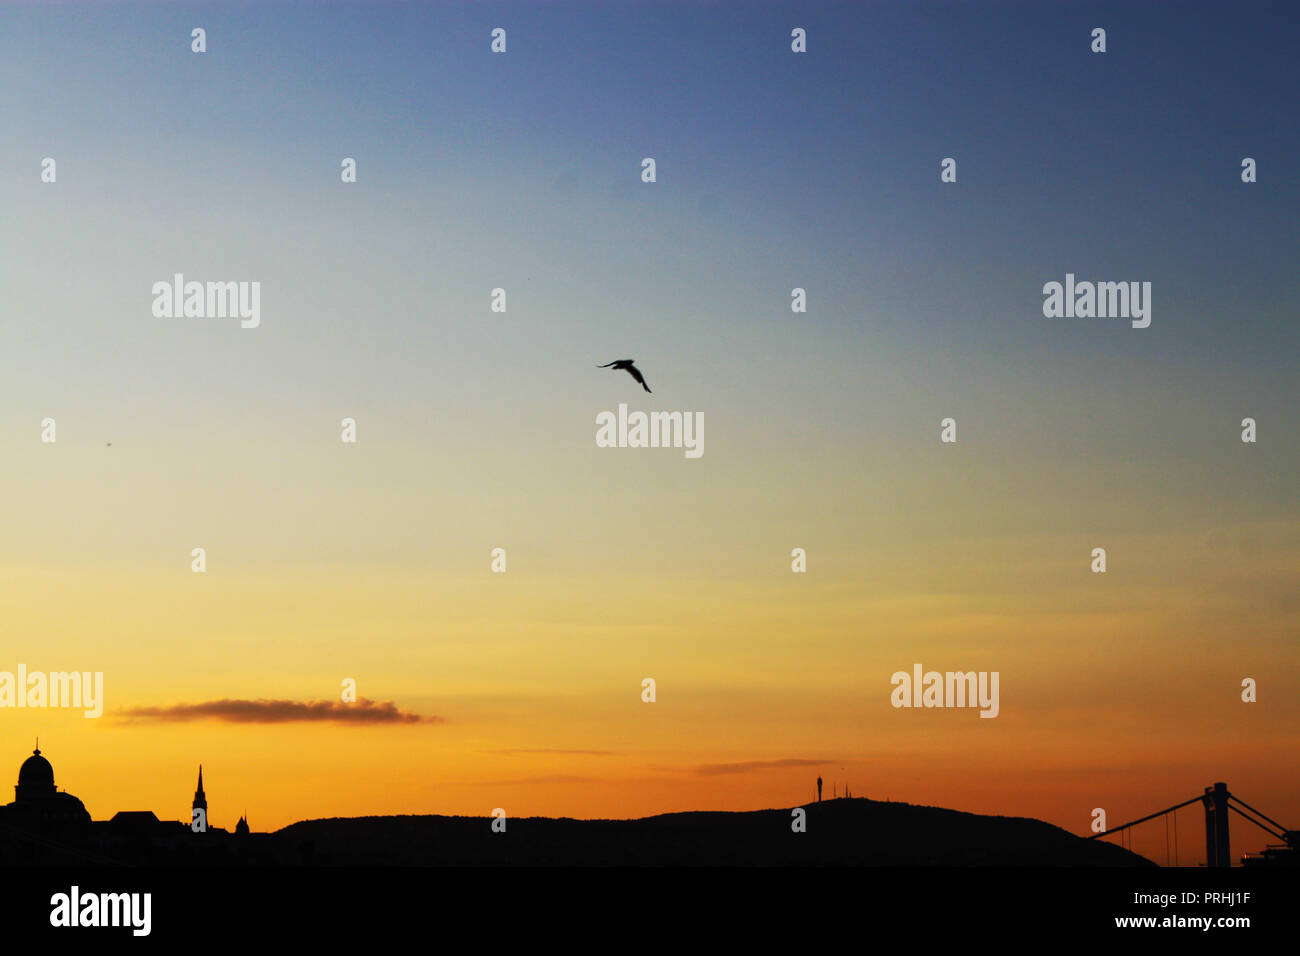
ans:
(521, 781)
(547, 750)
(713, 769)
(282, 711)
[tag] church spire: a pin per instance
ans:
(200, 798)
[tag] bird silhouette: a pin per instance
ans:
(627, 366)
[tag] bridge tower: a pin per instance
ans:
(1217, 843)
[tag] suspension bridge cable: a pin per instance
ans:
(1269, 830)
(1233, 796)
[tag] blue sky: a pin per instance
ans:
(775, 171)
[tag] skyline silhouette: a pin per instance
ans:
(45, 824)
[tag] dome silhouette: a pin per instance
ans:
(35, 777)
(38, 804)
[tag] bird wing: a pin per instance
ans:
(636, 374)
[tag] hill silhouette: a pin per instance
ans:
(843, 832)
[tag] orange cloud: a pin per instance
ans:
(713, 769)
(282, 711)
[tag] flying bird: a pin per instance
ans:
(627, 366)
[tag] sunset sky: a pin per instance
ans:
(476, 429)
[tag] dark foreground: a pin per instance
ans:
(600, 909)
(840, 832)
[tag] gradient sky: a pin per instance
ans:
(476, 429)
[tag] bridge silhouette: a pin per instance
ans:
(1217, 801)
